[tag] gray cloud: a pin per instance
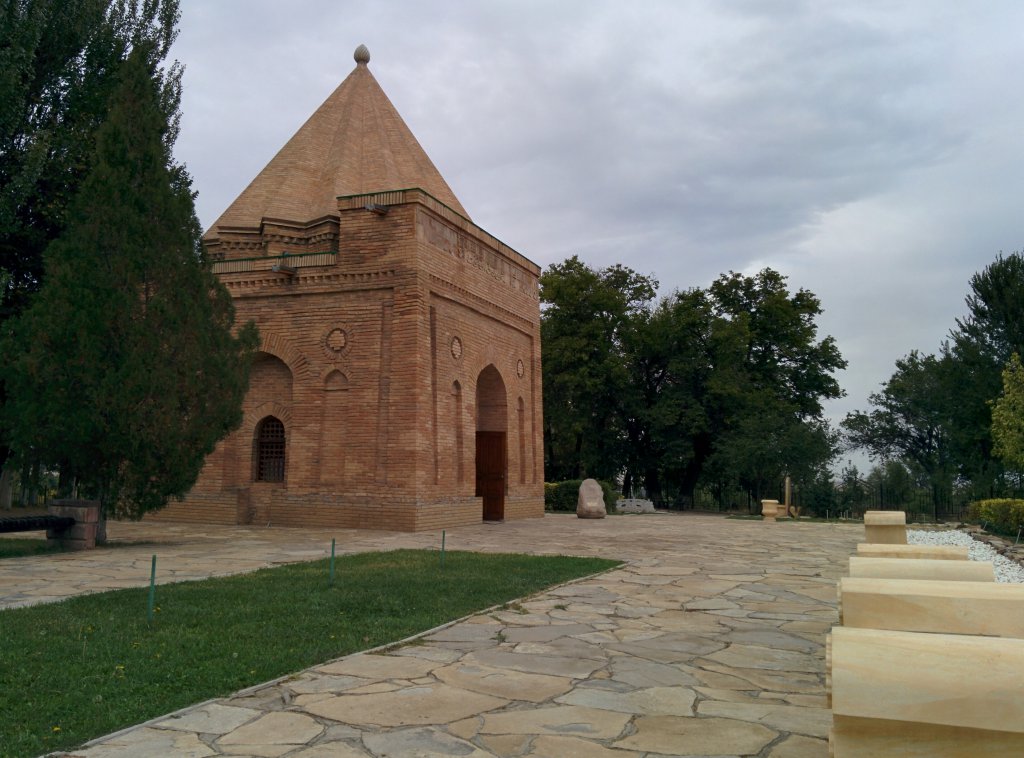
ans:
(869, 152)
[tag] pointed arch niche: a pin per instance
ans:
(269, 379)
(333, 428)
(521, 431)
(457, 424)
(491, 444)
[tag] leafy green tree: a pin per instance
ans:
(124, 371)
(728, 383)
(936, 412)
(980, 347)
(770, 381)
(994, 325)
(852, 492)
(667, 355)
(725, 381)
(57, 64)
(817, 495)
(781, 347)
(1008, 416)
(58, 59)
(586, 314)
(892, 485)
(762, 448)
(910, 421)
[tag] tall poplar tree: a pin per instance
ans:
(124, 372)
(58, 63)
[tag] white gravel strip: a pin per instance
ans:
(1006, 570)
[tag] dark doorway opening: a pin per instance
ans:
(491, 444)
(490, 473)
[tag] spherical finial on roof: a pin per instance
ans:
(362, 55)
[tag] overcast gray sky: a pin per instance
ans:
(869, 151)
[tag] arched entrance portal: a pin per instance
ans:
(491, 448)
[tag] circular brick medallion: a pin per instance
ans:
(520, 368)
(456, 348)
(336, 343)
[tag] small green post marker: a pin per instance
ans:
(442, 548)
(152, 589)
(332, 561)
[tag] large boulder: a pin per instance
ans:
(590, 503)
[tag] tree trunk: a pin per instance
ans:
(652, 483)
(6, 485)
(101, 527)
(551, 462)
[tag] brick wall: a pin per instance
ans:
(382, 368)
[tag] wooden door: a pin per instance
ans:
(490, 473)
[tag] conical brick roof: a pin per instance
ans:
(354, 143)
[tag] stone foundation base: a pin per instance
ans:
(81, 536)
(274, 506)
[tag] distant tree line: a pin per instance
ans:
(713, 389)
(953, 420)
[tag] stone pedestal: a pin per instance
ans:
(887, 527)
(81, 536)
(930, 552)
(926, 605)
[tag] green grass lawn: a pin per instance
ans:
(15, 547)
(90, 665)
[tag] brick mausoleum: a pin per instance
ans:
(398, 383)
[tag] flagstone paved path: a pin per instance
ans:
(709, 642)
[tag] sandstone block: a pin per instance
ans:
(924, 605)
(934, 552)
(869, 738)
(941, 679)
(886, 527)
(900, 568)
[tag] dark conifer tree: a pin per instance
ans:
(58, 63)
(124, 372)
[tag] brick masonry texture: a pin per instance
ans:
(383, 355)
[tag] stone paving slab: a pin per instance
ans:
(709, 642)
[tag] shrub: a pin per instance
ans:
(1003, 515)
(611, 495)
(563, 496)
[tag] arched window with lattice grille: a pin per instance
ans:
(270, 445)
